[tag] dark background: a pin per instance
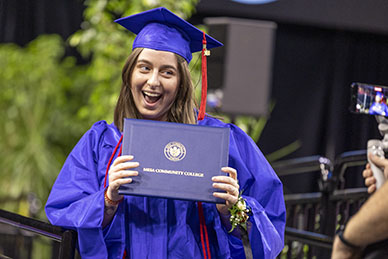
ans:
(321, 47)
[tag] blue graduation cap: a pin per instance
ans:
(160, 29)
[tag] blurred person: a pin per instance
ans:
(156, 85)
(370, 224)
(378, 107)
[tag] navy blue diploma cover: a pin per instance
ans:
(176, 160)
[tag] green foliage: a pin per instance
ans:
(254, 127)
(36, 103)
(47, 101)
(284, 151)
(108, 45)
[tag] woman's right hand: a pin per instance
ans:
(120, 173)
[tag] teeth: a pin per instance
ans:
(152, 94)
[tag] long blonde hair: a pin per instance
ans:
(182, 110)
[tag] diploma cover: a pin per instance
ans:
(176, 160)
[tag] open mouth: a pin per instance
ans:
(151, 97)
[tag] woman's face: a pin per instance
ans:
(154, 83)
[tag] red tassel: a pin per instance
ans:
(202, 109)
(203, 231)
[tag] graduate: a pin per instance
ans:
(378, 107)
(156, 85)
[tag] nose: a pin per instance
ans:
(153, 81)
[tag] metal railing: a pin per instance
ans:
(67, 238)
(312, 218)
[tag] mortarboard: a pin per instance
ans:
(160, 29)
(379, 94)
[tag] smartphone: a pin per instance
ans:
(369, 99)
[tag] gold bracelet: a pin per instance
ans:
(110, 202)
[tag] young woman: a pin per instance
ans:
(157, 86)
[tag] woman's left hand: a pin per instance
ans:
(228, 184)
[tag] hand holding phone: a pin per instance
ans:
(375, 147)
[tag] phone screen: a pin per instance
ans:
(369, 99)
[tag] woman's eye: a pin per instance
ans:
(168, 73)
(144, 68)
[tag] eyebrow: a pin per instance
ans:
(163, 66)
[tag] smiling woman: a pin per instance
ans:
(156, 85)
(152, 81)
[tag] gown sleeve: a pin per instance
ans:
(263, 192)
(76, 200)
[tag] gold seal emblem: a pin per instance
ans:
(175, 151)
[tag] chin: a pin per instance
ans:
(155, 117)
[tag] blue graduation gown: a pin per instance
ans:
(378, 109)
(162, 228)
